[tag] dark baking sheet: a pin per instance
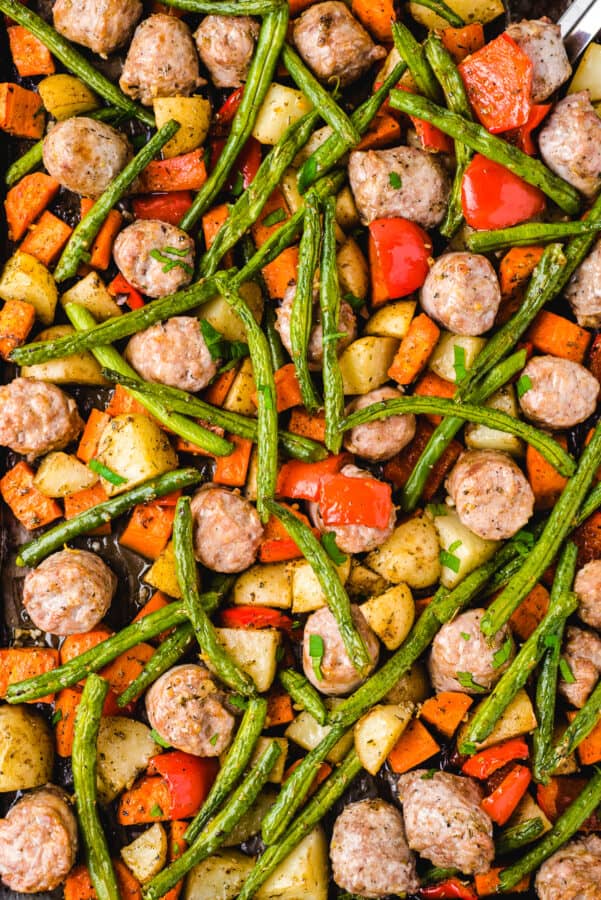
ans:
(132, 592)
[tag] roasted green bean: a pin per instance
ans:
(301, 314)
(329, 302)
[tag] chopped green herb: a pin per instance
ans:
(296, 624)
(175, 848)
(328, 541)
(213, 740)
(353, 301)
(459, 363)
(316, 651)
(169, 262)
(265, 391)
(278, 215)
(395, 181)
(237, 701)
(96, 466)
(566, 672)
(524, 384)
(448, 558)
(465, 635)
(468, 748)
(438, 509)
(427, 776)
(56, 717)
(158, 739)
(156, 811)
(219, 348)
(466, 680)
(501, 656)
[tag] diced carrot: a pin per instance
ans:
(377, 16)
(65, 708)
(415, 350)
(212, 222)
(122, 403)
(126, 668)
(22, 113)
(32, 508)
(233, 469)
(530, 613)
(16, 321)
(219, 389)
(446, 711)
(421, 603)
(180, 173)
(79, 501)
(276, 212)
(460, 42)
(324, 771)
(177, 846)
(29, 55)
(102, 248)
(129, 887)
(78, 885)
(159, 600)
(148, 801)
(400, 467)
(379, 289)
(414, 747)
(19, 663)
(149, 529)
(432, 385)
(27, 200)
(46, 238)
(488, 883)
(281, 273)
(277, 545)
(545, 481)
(589, 751)
(287, 389)
(279, 709)
(88, 444)
(76, 644)
(310, 425)
(550, 333)
(516, 267)
(384, 132)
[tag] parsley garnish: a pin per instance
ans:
(237, 701)
(466, 680)
(213, 740)
(524, 384)
(158, 739)
(166, 255)
(278, 215)
(395, 181)
(316, 651)
(328, 541)
(459, 363)
(219, 348)
(566, 672)
(468, 748)
(427, 776)
(448, 558)
(465, 635)
(501, 655)
(438, 509)
(156, 811)
(96, 466)
(56, 717)
(353, 301)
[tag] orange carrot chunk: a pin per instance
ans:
(460, 42)
(65, 710)
(27, 200)
(22, 113)
(377, 16)
(310, 425)
(16, 321)
(19, 663)
(384, 132)
(46, 238)
(550, 333)
(148, 801)
(29, 55)
(32, 508)
(180, 173)
(149, 529)
(88, 444)
(414, 747)
(446, 711)
(415, 350)
(102, 248)
(545, 481)
(233, 469)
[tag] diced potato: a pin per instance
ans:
(25, 278)
(226, 320)
(125, 747)
(377, 732)
(307, 593)
(464, 549)
(414, 686)
(392, 320)
(277, 773)
(251, 486)
(528, 809)
(250, 823)
(411, 554)
(281, 108)
(65, 96)
(363, 583)
(518, 719)
(364, 364)
(480, 437)
(92, 293)
(307, 733)
(61, 473)
(134, 447)
(255, 652)
(318, 138)
(79, 368)
(240, 396)
(444, 357)
(265, 585)
(304, 873)
(353, 274)
(146, 856)
(391, 615)
(219, 877)
(347, 214)
(162, 574)
(26, 749)
(289, 187)
(470, 11)
(588, 73)
(194, 116)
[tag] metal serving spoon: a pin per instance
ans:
(580, 24)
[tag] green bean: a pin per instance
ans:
(527, 234)
(441, 9)
(579, 728)
(484, 415)
(546, 688)
(108, 357)
(438, 873)
(518, 836)
(32, 552)
(301, 313)
(227, 7)
(413, 55)
(164, 657)
(481, 141)
(304, 694)
(329, 302)
(187, 578)
(453, 88)
(237, 758)
(85, 233)
(276, 348)
(327, 575)
(181, 401)
(214, 834)
(331, 791)
(566, 826)
(258, 80)
(492, 707)
(590, 505)
(333, 149)
(329, 110)
(267, 416)
(558, 526)
(73, 60)
(85, 737)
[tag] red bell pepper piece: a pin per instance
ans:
(301, 480)
(247, 162)
(501, 803)
(166, 207)
(119, 285)
(278, 550)
(355, 501)
(228, 110)
(483, 764)
(493, 197)
(254, 617)
(522, 137)
(431, 137)
(498, 81)
(448, 890)
(403, 251)
(189, 778)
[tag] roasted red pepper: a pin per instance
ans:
(403, 251)
(493, 197)
(228, 110)
(483, 764)
(355, 501)
(254, 617)
(522, 137)
(119, 285)
(246, 165)
(166, 207)
(301, 480)
(189, 779)
(449, 890)
(502, 802)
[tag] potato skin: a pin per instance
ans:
(26, 749)
(134, 447)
